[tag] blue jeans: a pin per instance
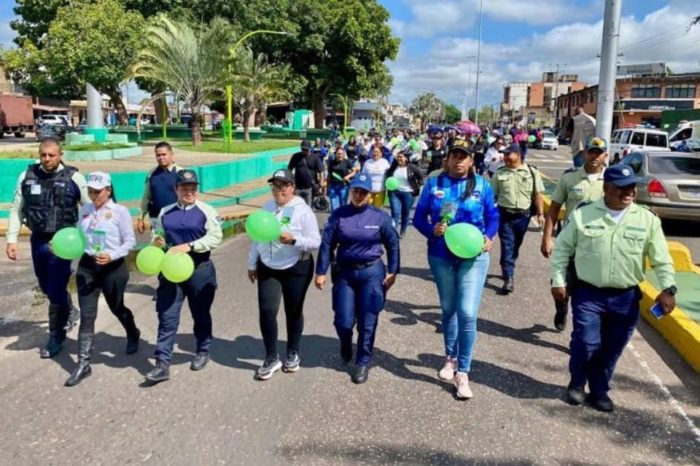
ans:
(511, 232)
(604, 320)
(199, 290)
(460, 283)
(51, 271)
(401, 203)
(339, 195)
(358, 295)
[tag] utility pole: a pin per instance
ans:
(608, 68)
(478, 64)
(468, 90)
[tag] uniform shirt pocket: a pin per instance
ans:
(594, 240)
(633, 241)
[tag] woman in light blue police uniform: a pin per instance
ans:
(356, 236)
(457, 196)
(102, 269)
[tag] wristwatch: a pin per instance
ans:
(672, 290)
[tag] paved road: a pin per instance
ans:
(402, 415)
(553, 164)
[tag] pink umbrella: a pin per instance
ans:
(468, 127)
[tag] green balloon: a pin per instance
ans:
(69, 243)
(392, 183)
(531, 138)
(262, 226)
(149, 260)
(464, 240)
(177, 267)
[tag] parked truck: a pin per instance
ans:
(16, 115)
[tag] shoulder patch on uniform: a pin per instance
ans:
(570, 170)
(583, 204)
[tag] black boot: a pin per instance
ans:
(84, 352)
(73, 316)
(133, 334)
(56, 332)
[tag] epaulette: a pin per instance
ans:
(646, 207)
(570, 170)
(583, 204)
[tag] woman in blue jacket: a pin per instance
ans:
(457, 196)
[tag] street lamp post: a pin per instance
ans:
(228, 138)
(478, 65)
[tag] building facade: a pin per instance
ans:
(639, 100)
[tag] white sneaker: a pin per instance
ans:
(462, 386)
(447, 372)
(268, 369)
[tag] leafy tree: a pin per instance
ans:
(87, 42)
(427, 107)
(452, 113)
(256, 82)
(189, 61)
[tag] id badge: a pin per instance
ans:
(35, 189)
(99, 240)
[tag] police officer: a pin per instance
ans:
(576, 185)
(46, 199)
(610, 239)
(436, 153)
(354, 235)
(102, 269)
(160, 186)
(518, 189)
(191, 227)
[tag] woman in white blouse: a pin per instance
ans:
(376, 169)
(283, 269)
(110, 235)
(410, 180)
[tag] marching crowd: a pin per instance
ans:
(597, 257)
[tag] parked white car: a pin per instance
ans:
(549, 140)
(626, 140)
(53, 120)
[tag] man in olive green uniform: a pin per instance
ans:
(609, 240)
(576, 185)
(518, 189)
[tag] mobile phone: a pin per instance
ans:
(657, 311)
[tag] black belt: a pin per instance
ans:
(606, 290)
(359, 265)
(510, 211)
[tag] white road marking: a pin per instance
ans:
(667, 394)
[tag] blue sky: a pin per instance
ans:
(520, 40)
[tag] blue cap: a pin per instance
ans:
(186, 176)
(596, 143)
(511, 148)
(620, 176)
(361, 181)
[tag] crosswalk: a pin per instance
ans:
(548, 158)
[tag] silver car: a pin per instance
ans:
(669, 182)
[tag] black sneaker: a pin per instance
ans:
(361, 374)
(291, 364)
(575, 395)
(601, 403)
(200, 360)
(268, 369)
(508, 286)
(160, 373)
(560, 319)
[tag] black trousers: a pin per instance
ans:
(110, 279)
(290, 284)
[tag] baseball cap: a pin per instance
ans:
(361, 181)
(511, 148)
(620, 176)
(305, 144)
(186, 177)
(98, 180)
(597, 144)
(460, 145)
(285, 176)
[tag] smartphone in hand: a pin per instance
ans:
(657, 311)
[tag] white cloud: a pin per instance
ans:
(6, 35)
(660, 36)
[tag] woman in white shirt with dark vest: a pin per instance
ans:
(110, 235)
(283, 269)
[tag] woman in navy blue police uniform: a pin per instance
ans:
(356, 236)
(194, 228)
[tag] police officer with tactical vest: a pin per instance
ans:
(576, 185)
(47, 198)
(518, 189)
(610, 240)
(160, 186)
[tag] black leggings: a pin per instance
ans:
(109, 279)
(290, 284)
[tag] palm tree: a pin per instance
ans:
(255, 82)
(192, 62)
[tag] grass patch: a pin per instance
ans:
(19, 154)
(239, 147)
(95, 147)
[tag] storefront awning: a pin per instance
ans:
(49, 108)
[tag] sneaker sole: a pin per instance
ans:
(269, 374)
(289, 369)
(463, 397)
(158, 380)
